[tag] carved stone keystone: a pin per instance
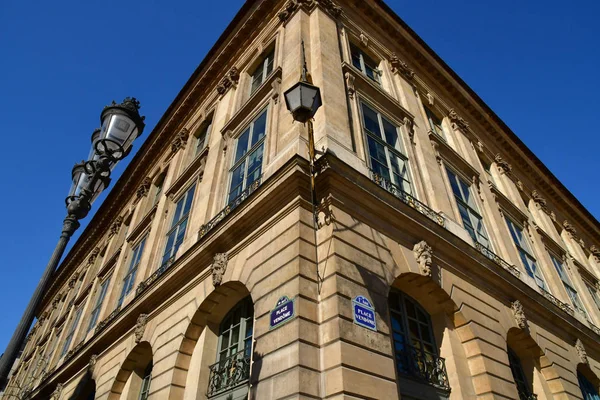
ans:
(424, 256)
(140, 327)
(519, 314)
(581, 352)
(218, 268)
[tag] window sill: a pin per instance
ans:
(255, 99)
(363, 85)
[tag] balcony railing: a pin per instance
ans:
(424, 367)
(563, 306)
(497, 259)
(251, 188)
(408, 199)
(157, 274)
(229, 373)
(527, 396)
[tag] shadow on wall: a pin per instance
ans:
(86, 388)
(257, 364)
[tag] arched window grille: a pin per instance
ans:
(525, 393)
(415, 350)
(587, 388)
(229, 376)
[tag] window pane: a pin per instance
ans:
(169, 247)
(242, 144)
(237, 179)
(371, 122)
(178, 212)
(255, 165)
(259, 128)
(391, 135)
(189, 196)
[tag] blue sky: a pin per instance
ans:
(534, 62)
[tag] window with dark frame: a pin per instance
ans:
(386, 152)
(129, 278)
(525, 393)
(263, 70)
(571, 292)
(525, 253)
(146, 380)
(365, 64)
(594, 294)
(589, 391)
(435, 123)
(98, 304)
(202, 135)
(247, 164)
(469, 213)
(176, 233)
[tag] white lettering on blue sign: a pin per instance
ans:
(283, 312)
(364, 313)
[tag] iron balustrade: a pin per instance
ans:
(157, 274)
(229, 373)
(408, 199)
(104, 323)
(497, 259)
(563, 306)
(204, 229)
(423, 366)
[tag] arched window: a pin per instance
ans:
(415, 350)
(525, 392)
(229, 376)
(145, 388)
(587, 388)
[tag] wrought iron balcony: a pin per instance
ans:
(407, 198)
(251, 188)
(527, 396)
(497, 259)
(424, 367)
(229, 373)
(157, 274)
(563, 306)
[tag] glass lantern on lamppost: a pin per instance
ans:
(121, 125)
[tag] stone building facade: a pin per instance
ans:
(446, 261)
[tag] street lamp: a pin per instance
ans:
(121, 125)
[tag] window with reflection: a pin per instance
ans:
(415, 350)
(98, 304)
(262, 71)
(525, 253)
(469, 212)
(202, 135)
(594, 294)
(587, 388)
(435, 123)
(71, 331)
(571, 292)
(176, 232)
(229, 376)
(129, 279)
(365, 64)
(387, 155)
(523, 387)
(247, 164)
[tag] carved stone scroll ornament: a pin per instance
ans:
(144, 188)
(230, 80)
(540, 201)
(180, 140)
(424, 256)
(570, 229)
(93, 256)
(331, 7)
(73, 280)
(503, 166)
(276, 85)
(291, 6)
(140, 327)
(457, 121)
(595, 252)
(399, 66)
(116, 226)
(57, 392)
(364, 39)
(350, 84)
(410, 128)
(581, 352)
(218, 268)
(519, 314)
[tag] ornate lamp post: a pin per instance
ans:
(121, 125)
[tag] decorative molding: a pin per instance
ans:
(115, 227)
(581, 352)
(276, 85)
(400, 66)
(180, 140)
(430, 99)
(350, 84)
(140, 327)
(458, 122)
(73, 280)
(570, 229)
(331, 7)
(410, 128)
(293, 5)
(364, 39)
(92, 363)
(93, 255)
(218, 268)
(57, 392)
(540, 202)
(503, 166)
(424, 256)
(595, 251)
(519, 314)
(144, 188)
(230, 80)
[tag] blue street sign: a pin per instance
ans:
(364, 313)
(283, 312)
